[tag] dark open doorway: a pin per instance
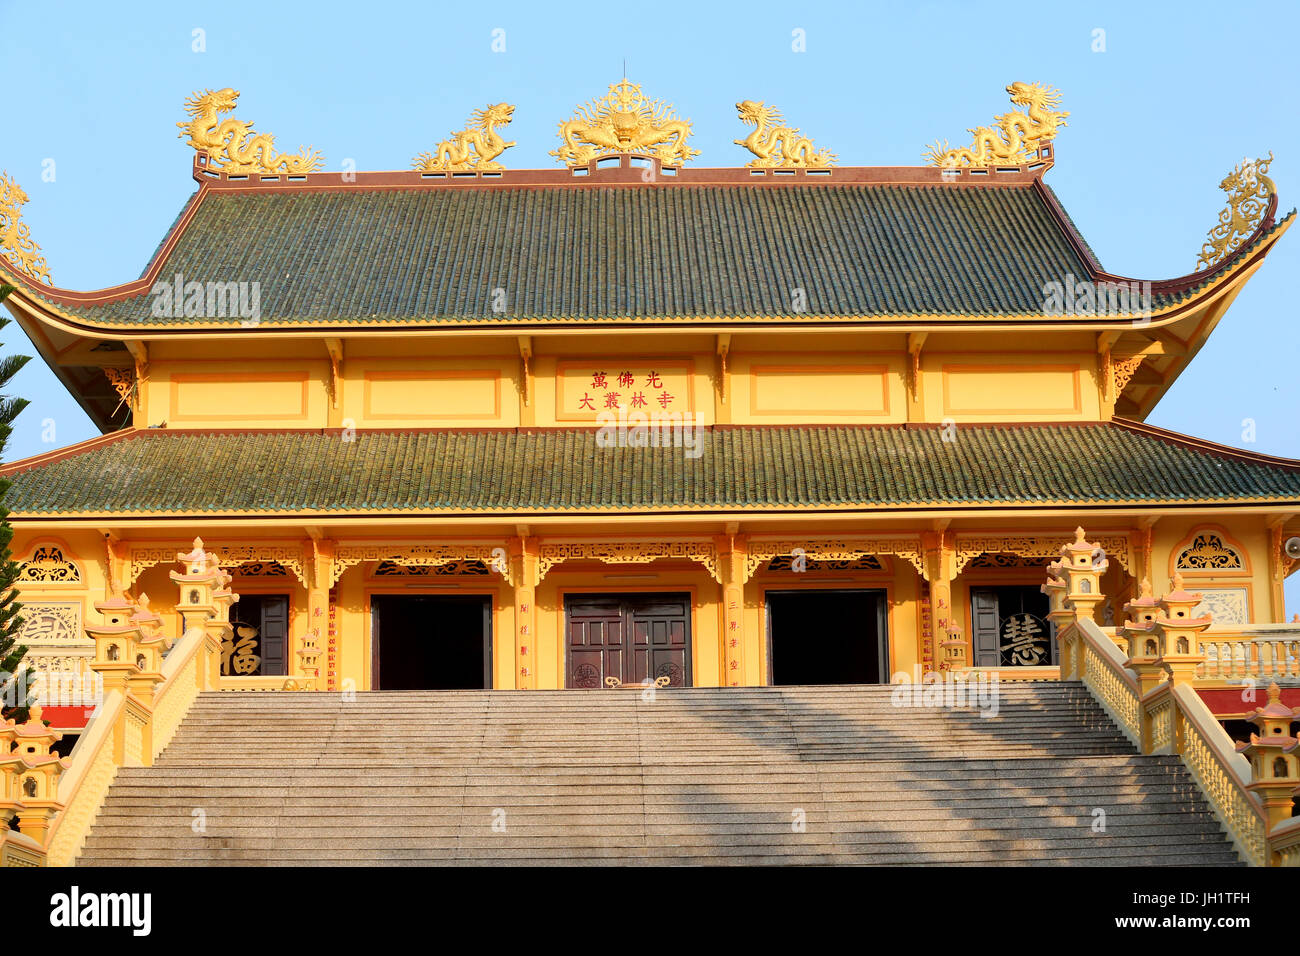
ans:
(431, 642)
(827, 637)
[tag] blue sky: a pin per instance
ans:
(1180, 94)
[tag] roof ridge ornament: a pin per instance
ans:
(625, 121)
(775, 144)
(1249, 193)
(231, 146)
(1015, 137)
(16, 243)
(475, 148)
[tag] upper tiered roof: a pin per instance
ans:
(629, 232)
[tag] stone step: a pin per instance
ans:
(695, 776)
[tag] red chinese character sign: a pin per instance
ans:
(585, 390)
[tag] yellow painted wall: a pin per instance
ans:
(466, 382)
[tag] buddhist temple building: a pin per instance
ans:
(777, 420)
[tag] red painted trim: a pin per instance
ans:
(1226, 703)
(69, 451)
(67, 718)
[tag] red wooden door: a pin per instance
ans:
(596, 640)
(628, 636)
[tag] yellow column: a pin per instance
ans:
(940, 565)
(320, 577)
(523, 558)
(732, 552)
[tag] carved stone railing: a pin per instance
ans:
(148, 689)
(1113, 685)
(1151, 695)
(1262, 652)
(123, 734)
(1222, 774)
(1285, 842)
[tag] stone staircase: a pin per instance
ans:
(695, 776)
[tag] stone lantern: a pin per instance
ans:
(31, 775)
(115, 640)
(198, 584)
(1143, 643)
(954, 649)
(1082, 565)
(1179, 632)
(1274, 757)
(151, 646)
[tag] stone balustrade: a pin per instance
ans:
(1144, 677)
(149, 680)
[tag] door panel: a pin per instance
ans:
(631, 637)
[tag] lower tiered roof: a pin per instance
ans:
(740, 468)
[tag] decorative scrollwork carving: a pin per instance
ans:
(422, 555)
(863, 562)
(47, 565)
(775, 144)
(1015, 137)
(1249, 192)
(1209, 552)
(474, 148)
(231, 146)
(624, 121)
(1042, 547)
(290, 557)
(16, 243)
(761, 552)
(629, 552)
(394, 569)
(1121, 372)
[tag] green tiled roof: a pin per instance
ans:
(551, 470)
(586, 254)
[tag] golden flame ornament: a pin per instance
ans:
(625, 121)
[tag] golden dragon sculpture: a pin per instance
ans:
(1014, 138)
(775, 144)
(624, 121)
(16, 243)
(474, 148)
(1249, 191)
(231, 146)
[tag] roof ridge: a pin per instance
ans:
(1204, 444)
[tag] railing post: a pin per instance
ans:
(1178, 633)
(204, 603)
(1062, 619)
(31, 775)
(1274, 756)
(1138, 633)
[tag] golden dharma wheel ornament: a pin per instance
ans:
(776, 145)
(1249, 194)
(1015, 137)
(16, 243)
(231, 146)
(474, 148)
(625, 121)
